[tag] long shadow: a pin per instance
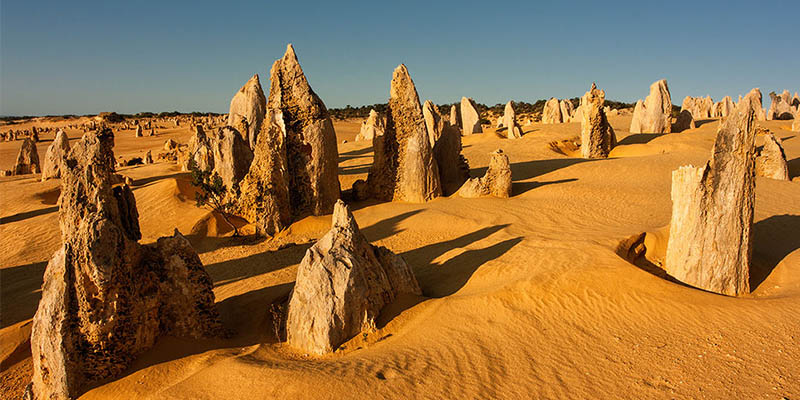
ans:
(27, 214)
(518, 188)
(794, 167)
(639, 138)
(522, 171)
(354, 169)
(700, 122)
(773, 239)
(350, 155)
(429, 274)
(387, 227)
(25, 283)
(787, 138)
(150, 179)
(225, 272)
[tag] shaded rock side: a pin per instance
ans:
(495, 182)
(343, 283)
(684, 121)
(710, 238)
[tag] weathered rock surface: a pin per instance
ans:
(27, 159)
(710, 238)
(56, 156)
(684, 121)
(295, 170)
(106, 298)
(201, 149)
(139, 131)
(373, 126)
(232, 156)
(247, 110)
(453, 166)
(470, 119)
(148, 157)
(700, 107)
(513, 130)
(755, 104)
(495, 182)
(654, 114)
(725, 107)
(551, 114)
(771, 160)
(597, 135)
(404, 168)
(343, 283)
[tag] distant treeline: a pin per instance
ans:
(112, 116)
(520, 107)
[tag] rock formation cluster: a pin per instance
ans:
(106, 298)
(294, 172)
(710, 237)
(781, 106)
(343, 283)
(653, 115)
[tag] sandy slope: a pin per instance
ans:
(524, 297)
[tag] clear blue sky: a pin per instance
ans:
(81, 57)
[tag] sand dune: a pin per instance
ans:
(524, 297)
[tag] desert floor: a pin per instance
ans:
(524, 297)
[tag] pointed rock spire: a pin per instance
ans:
(248, 109)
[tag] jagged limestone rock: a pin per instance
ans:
(27, 159)
(56, 156)
(232, 156)
(470, 119)
(248, 110)
(404, 168)
(771, 161)
(495, 182)
(567, 111)
(551, 114)
(781, 107)
(710, 237)
(106, 298)
(654, 114)
(373, 126)
(343, 283)
(597, 135)
(434, 123)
